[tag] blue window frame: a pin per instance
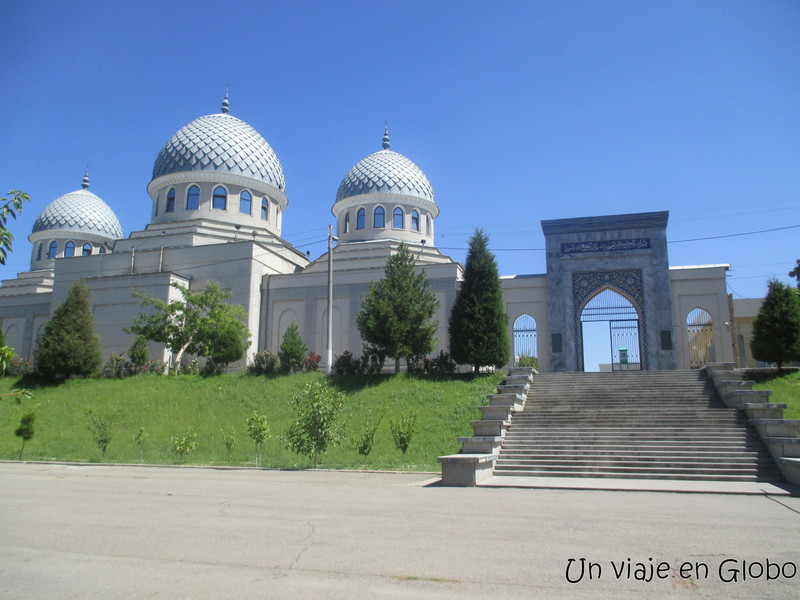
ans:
(69, 249)
(52, 250)
(220, 200)
(414, 220)
(87, 249)
(379, 218)
(39, 252)
(170, 201)
(397, 223)
(193, 198)
(245, 202)
(361, 218)
(264, 209)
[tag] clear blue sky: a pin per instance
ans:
(516, 111)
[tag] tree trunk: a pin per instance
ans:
(396, 365)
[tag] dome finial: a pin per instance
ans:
(225, 103)
(85, 183)
(386, 143)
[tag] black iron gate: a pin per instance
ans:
(624, 335)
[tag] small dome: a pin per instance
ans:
(220, 143)
(385, 172)
(79, 212)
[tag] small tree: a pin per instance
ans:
(69, 345)
(478, 321)
(776, 329)
(315, 428)
(395, 317)
(25, 430)
(9, 207)
(403, 430)
(258, 430)
(100, 427)
(293, 351)
(183, 444)
(138, 352)
(364, 441)
(199, 323)
(229, 439)
(140, 439)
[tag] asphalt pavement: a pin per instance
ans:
(75, 531)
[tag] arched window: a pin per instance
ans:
(170, 200)
(87, 249)
(277, 215)
(52, 250)
(102, 249)
(414, 220)
(39, 252)
(193, 198)
(220, 200)
(69, 249)
(397, 223)
(428, 224)
(361, 217)
(379, 218)
(157, 201)
(264, 209)
(700, 331)
(524, 340)
(347, 223)
(245, 202)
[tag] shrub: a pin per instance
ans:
(311, 362)
(442, 365)
(117, 367)
(229, 439)
(264, 363)
(526, 360)
(140, 438)
(155, 367)
(138, 352)
(212, 367)
(19, 367)
(188, 367)
(416, 365)
(372, 361)
(185, 443)
(347, 364)
(364, 441)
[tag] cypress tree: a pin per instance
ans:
(478, 321)
(776, 329)
(69, 345)
(395, 317)
(292, 351)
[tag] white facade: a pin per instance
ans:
(218, 204)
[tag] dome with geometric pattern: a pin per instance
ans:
(79, 212)
(385, 172)
(223, 143)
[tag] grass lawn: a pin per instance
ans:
(785, 390)
(167, 406)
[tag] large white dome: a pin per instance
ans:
(220, 143)
(385, 172)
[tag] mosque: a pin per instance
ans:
(218, 198)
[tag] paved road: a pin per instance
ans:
(139, 532)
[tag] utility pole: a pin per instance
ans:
(329, 357)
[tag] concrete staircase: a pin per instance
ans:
(626, 425)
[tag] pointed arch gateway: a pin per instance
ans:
(610, 332)
(524, 337)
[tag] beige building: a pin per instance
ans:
(218, 203)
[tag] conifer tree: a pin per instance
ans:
(478, 322)
(69, 345)
(395, 317)
(776, 329)
(292, 351)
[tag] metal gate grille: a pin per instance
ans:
(699, 328)
(623, 321)
(524, 337)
